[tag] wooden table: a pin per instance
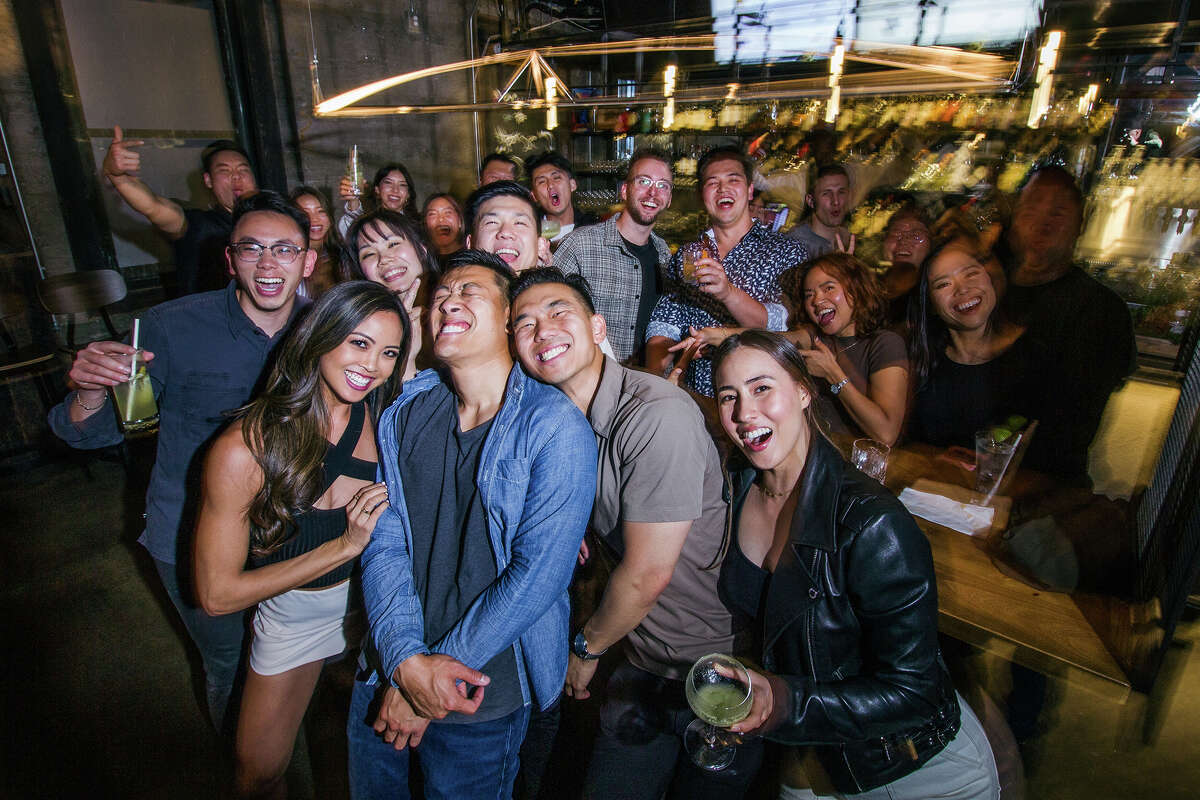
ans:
(984, 603)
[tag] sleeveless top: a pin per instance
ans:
(316, 526)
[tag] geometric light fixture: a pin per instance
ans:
(909, 69)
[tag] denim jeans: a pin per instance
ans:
(219, 640)
(459, 761)
(639, 751)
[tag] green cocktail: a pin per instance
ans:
(137, 410)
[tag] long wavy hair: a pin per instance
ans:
(868, 303)
(286, 427)
(332, 243)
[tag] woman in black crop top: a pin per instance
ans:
(291, 485)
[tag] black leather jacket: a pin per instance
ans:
(849, 623)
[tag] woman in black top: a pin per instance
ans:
(839, 582)
(291, 484)
(972, 366)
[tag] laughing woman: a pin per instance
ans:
(290, 484)
(839, 582)
(387, 248)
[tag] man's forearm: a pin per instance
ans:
(162, 213)
(627, 600)
(745, 309)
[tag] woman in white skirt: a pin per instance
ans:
(291, 485)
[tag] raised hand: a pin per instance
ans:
(711, 278)
(122, 157)
(848, 247)
(103, 364)
(822, 363)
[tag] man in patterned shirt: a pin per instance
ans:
(622, 258)
(741, 288)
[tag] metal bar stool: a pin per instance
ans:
(86, 291)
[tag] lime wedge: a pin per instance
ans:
(1015, 422)
(1001, 434)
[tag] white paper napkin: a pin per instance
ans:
(963, 517)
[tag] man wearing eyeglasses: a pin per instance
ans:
(623, 259)
(204, 354)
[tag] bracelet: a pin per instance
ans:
(79, 400)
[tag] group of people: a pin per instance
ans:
(394, 432)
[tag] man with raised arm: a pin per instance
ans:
(739, 288)
(204, 353)
(659, 511)
(198, 236)
(490, 476)
(622, 258)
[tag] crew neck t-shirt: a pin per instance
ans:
(647, 255)
(452, 558)
(859, 358)
(200, 252)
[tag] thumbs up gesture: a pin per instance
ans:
(122, 157)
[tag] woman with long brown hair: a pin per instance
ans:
(833, 572)
(290, 484)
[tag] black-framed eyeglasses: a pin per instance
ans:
(252, 252)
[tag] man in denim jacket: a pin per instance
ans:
(490, 480)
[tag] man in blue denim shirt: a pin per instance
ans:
(204, 354)
(490, 479)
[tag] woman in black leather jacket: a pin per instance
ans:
(840, 583)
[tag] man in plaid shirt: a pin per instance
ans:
(622, 258)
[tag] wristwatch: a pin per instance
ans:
(579, 648)
(837, 387)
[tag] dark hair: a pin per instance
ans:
(500, 189)
(267, 200)
(506, 158)
(482, 258)
(724, 153)
(286, 427)
(1054, 174)
(400, 224)
(868, 304)
(784, 353)
(641, 154)
(550, 158)
(930, 335)
(220, 146)
(539, 275)
(333, 240)
(458, 209)
(825, 170)
(908, 211)
(410, 203)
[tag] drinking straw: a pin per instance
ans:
(137, 325)
(1004, 469)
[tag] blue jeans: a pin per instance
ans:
(219, 640)
(459, 761)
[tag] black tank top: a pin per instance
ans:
(319, 525)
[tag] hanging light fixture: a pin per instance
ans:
(836, 60)
(551, 103)
(1044, 78)
(669, 93)
(1088, 99)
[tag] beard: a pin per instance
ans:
(635, 213)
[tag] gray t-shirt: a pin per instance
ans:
(814, 243)
(657, 463)
(452, 558)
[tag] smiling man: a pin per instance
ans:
(622, 258)
(738, 288)
(489, 477)
(553, 183)
(659, 510)
(198, 236)
(204, 354)
(502, 218)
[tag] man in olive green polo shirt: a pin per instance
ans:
(659, 507)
